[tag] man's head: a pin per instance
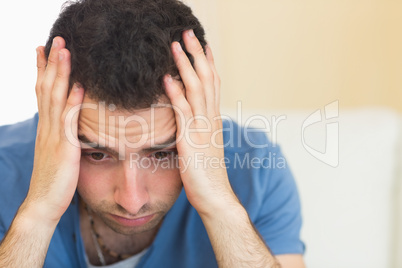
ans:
(120, 52)
(120, 49)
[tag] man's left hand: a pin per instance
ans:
(199, 127)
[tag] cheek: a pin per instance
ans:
(92, 182)
(167, 183)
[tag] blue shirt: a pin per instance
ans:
(260, 177)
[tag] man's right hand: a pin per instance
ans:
(57, 158)
(56, 163)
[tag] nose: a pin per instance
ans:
(131, 189)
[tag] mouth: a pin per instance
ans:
(133, 222)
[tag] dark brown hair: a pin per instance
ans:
(120, 49)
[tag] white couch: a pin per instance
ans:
(351, 211)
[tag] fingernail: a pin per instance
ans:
(37, 51)
(190, 33)
(61, 56)
(75, 87)
(169, 78)
(178, 47)
(55, 43)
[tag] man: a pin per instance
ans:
(132, 165)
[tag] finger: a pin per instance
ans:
(41, 67)
(194, 88)
(182, 109)
(50, 73)
(217, 80)
(201, 66)
(71, 114)
(60, 87)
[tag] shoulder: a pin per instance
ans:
(12, 134)
(17, 143)
(17, 146)
(238, 138)
(262, 179)
(251, 159)
(255, 165)
(19, 134)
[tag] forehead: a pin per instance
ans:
(98, 121)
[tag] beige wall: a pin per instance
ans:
(305, 54)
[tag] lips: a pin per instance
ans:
(133, 222)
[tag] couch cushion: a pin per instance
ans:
(348, 207)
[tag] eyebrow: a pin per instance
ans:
(171, 141)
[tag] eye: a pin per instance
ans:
(162, 155)
(97, 156)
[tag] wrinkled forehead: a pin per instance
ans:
(103, 123)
